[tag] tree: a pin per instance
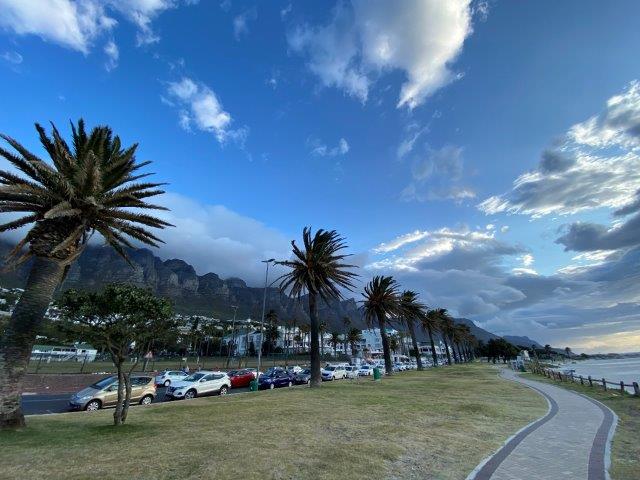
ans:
(353, 337)
(304, 332)
(568, 352)
(88, 187)
(124, 320)
(322, 329)
(445, 327)
(394, 343)
(381, 302)
(335, 340)
(412, 310)
(271, 333)
(317, 269)
(431, 323)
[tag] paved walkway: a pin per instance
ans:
(571, 442)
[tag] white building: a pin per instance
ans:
(59, 353)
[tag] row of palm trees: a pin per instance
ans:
(319, 270)
(94, 185)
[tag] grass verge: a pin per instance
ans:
(437, 424)
(625, 451)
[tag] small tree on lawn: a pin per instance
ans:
(122, 319)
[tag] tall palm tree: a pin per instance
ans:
(318, 269)
(353, 337)
(335, 340)
(446, 327)
(431, 322)
(322, 329)
(86, 187)
(412, 310)
(381, 302)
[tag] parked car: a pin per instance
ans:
(303, 377)
(365, 370)
(200, 383)
(241, 378)
(167, 377)
(333, 373)
(351, 371)
(275, 379)
(294, 369)
(105, 393)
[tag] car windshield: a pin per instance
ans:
(105, 382)
(307, 371)
(194, 378)
(233, 373)
(330, 369)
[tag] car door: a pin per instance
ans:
(247, 376)
(207, 384)
(137, 388)
(110, 396)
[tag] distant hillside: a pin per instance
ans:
(207, 295)
(522, 341)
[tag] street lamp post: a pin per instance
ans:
(233, 335)
(264, 304)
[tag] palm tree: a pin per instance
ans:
(411, 310)
(431, 322)
(272, 318)
(382, 302)
(319, 270)
(353, 337)
(394, 343)
(335, 340)
(446, 327)
(304, 332)
(88, 187)
(322, 329)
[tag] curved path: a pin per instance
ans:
(570, 442)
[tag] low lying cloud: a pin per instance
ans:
(367, 38)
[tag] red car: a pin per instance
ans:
(241, 378)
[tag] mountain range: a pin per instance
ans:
(206, 295)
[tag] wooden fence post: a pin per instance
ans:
(581, 380)
(621, 387)
(590, 381)
(604, 384)
(571, 377)
(636, 389)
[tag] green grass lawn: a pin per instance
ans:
(625, 452)
(435, 424)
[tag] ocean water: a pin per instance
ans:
(614, 370)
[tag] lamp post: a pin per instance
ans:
(233, 335)
(264, 304)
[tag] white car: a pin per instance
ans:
(351, 371)
(200, 383)
(166, 378)
(294, 369)
(365, 370)
(333, 373)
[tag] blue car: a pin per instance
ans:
(275, 379)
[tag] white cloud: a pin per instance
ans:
(73, 24)
(597, 164)
(113, 55)
(77, 24)
(12, 57)
(437, 175)
(367, 38)
(286, 11)
(527, 260)
(241, 22)
(320, 149)
(200, 107)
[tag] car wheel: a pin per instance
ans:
(167, 383)
(271, 386)
(146, 400)
(223, 390)
(309, 382)
(190, 394)
(93, 405)
(290, 383)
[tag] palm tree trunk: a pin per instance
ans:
(316, 377)
(388, 367)
(20, 334)
(414, 341)
(434, 356)
(446, 348)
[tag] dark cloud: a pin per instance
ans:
(586, 237)
(556, 161)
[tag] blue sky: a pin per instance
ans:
(403, 126)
